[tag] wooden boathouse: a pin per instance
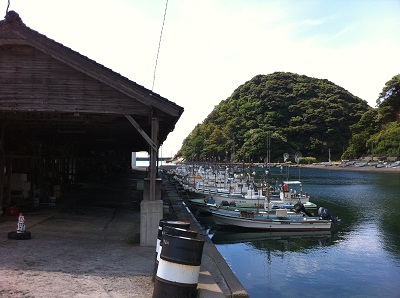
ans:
(64, 116)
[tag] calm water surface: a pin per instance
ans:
(359, 258)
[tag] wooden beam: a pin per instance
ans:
(142, 132)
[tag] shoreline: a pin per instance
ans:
(371, 169)
(350, 168)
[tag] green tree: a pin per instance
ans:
(361, 133)
(298, 112)
(387, 141)
(388, 101)
(377, 131)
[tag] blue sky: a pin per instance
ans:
(210, 47)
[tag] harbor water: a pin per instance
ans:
(358, 258)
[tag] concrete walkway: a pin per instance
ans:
(88, 246)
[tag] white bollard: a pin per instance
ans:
(21, 223)
(20, 233)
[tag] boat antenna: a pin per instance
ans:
(268, 189)
(297, 157)
(159, 45)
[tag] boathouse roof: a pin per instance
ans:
(56, 97)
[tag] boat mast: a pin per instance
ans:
(329, 152)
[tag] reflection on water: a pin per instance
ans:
(226, 236)
(274, 241)
(361, 257)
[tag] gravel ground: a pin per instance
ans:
(90, 249)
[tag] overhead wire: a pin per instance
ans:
(159, 46)
(8, 6)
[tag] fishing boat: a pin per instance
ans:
(292, 192)
(202, 205)
(218, 184)
(281, 220)
(289, 194)
(268, 206)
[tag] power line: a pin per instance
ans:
(8, 6)
(159, 45)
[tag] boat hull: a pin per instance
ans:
(300, 224)
(204, 207)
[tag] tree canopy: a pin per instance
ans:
(275, 114)
(388, 101)
(378, 131)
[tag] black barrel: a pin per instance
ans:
(174, 232)
(169, 223)
(179, 267)
(179, 232)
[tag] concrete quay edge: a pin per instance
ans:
(216, 278)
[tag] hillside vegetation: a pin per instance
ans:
(378, 131)
(275, 114)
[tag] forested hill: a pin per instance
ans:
(297, 112)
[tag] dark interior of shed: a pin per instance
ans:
(44, 160)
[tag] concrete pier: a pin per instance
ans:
(91, 240)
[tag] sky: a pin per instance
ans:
(210, 47)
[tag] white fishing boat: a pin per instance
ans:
(268, 206)
(282, 220)
(290, 193)
(204, 206)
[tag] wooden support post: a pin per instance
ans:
(151, 210)
(2, 161)
(153, 158)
